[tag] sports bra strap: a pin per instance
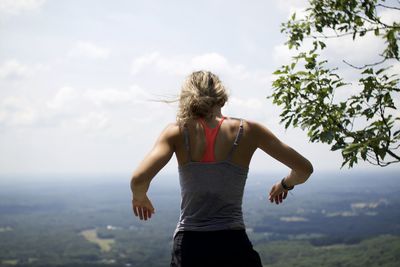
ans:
(237, 139)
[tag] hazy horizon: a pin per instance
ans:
(170, 178)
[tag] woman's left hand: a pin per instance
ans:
(277, 193)
(142, 207)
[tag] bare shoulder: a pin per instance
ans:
(250, 126)
(259, 127)
(258, 132)
(171, 132)
(169, 135)
(252, 129)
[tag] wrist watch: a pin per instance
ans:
(285, 186)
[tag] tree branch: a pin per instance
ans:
(375, 160)
(376, 22)
(366, 65)
(341, 34)
(393, 155)
(391, 7)
(381, 164)
(372, 157)
(338, 35)
(393, 148)
(382, 113)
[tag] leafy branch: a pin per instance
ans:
(364, 126)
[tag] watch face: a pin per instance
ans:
(285, 186)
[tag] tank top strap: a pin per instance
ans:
(237, 139)
(187, 142)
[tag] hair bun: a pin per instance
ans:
(202, 105)
(200, 93)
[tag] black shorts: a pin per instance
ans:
(214, 248)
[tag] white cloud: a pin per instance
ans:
(69, 106)
(88, 50)
(248, 87)
(182, 65)
(17, 111)
(175, 65)
(14, 7)
(112, 97)
(360, 51)
(249, 103)
(63, 99)
(292, 6)
(143, 61)
(251, 108)
(213, 60)
(12, 69)
(282, 54)
(94, 121)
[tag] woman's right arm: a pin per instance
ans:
(301, 168)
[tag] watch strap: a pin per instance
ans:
(285, 186)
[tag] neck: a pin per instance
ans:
(215, 113)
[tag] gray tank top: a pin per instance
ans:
(211, 192)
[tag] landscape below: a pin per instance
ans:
(335, 219)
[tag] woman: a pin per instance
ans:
(213, 154)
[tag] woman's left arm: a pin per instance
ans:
(148, 168)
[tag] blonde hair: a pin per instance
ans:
(201, 92)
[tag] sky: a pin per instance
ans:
(78, 79)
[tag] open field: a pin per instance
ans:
(104, 243)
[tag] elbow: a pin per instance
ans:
(308, 170)
(304, 172)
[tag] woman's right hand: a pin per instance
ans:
(142, 207)
(277, 193)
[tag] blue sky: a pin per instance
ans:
(77, 77)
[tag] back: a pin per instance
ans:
(212, 192)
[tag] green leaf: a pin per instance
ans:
(277, 72)
(380, 71)
(368, 71)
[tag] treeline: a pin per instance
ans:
(378, 251)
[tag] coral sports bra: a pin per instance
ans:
(211, 135)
